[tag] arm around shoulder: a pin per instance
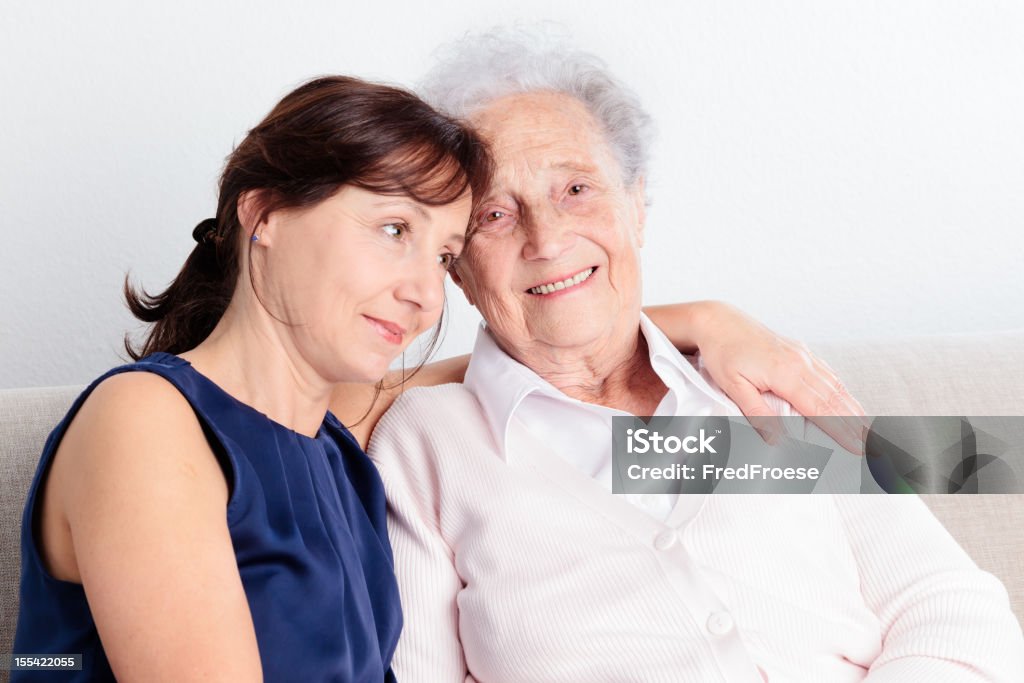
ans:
(360, 406)
(144, 498)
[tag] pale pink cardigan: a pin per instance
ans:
(531, 571)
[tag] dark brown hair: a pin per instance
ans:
(329, 132)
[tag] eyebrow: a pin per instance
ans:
(420, 211)
(497, 189)
(577, 166)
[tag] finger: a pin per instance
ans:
(839, 396)
(831, 397)
(758, 413)
(847, 410)
(848, 436)
(849, 431)
(815, 391)
(822, 392)
(821, 402)
(811, 387)
(769, 427)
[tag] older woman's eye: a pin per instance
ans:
(396, 230)
(577, 189)
(447, 261)
(494, 217)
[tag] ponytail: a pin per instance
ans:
(185, 313)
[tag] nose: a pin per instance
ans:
(549, 234)
(421, 283)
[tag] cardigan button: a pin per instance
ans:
(666, 539)
(720, 623)
(649, 500)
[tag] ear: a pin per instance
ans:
(250, 217)
(640, 208)
(461, 284)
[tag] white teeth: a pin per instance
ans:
(563, 284)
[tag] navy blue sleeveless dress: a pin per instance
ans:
(307, 521)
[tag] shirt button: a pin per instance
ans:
(666, 539)
(720, 623)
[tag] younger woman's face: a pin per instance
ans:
(357, 277)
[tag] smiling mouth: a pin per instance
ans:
(390, 331)
(568, 283)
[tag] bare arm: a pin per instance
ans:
(360, 406)
(744, 357)
(137, 487)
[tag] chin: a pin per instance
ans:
(369, 369)
(585, 322)
(375, 372)
(568, 334)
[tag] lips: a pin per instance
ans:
(390, 331)
(563, 284)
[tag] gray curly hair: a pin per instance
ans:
(485, 67)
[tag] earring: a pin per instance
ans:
(254, 238)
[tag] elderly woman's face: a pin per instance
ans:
(555, 257)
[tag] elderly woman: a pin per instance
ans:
(515, 561)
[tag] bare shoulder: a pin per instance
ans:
(135, 439)
(136, 487)
(133, 395)
(132, 419)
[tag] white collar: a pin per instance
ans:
(500, 383)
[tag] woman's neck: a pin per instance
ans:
(248, 357)
(615, 373)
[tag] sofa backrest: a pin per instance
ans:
(27, 416)
(969, 375)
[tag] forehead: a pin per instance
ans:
(544, 130)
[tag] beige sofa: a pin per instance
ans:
(970, 375)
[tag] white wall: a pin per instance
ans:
(838, 169)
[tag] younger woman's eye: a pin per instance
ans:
(396, 230)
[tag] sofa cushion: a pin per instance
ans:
(951, 375)
(968, 375)
(27, 416)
